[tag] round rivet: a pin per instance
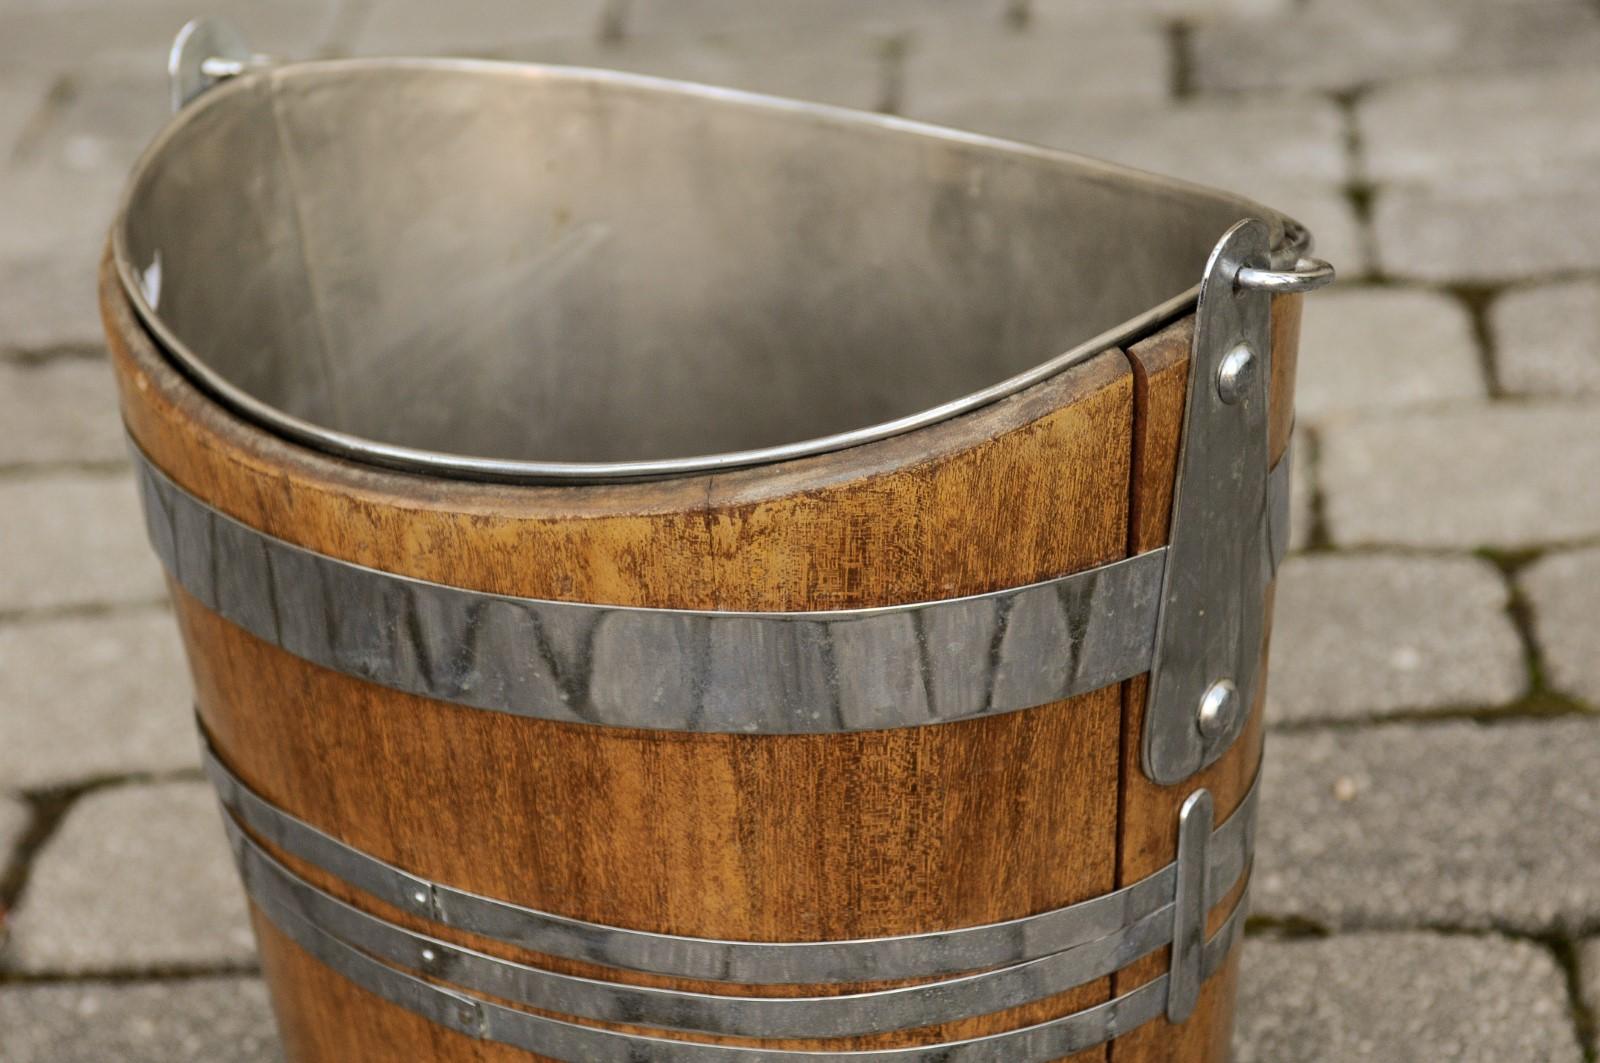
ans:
(420, 897)
(1235, 373)
(428, 956)
(1217, 707)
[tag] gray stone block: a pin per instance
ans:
(846, 69)
(22, 96)
(1511, 476)
(1589, 980)
(1509, 134)
(650, 17)
(1404, 996)
(1362, 636)
(1508, 194)
(1486, 237)
(189, 1020)
(64, 410)
(400, 27)
(113, 698)
(1190, 10)
(1342, 44)
(977, 76)
(1547, 339)
(74, 539)
(49, 36)
(14, 818)
(100, 119)
(1444, 825)
(1564, 590)
(135, 878)
(50, 302)
(1364, 350)
(1275, 149)
(1302, 492)
(58, 218)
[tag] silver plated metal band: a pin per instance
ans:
(934, 954)
(680, 670)
(902, 1008)
(490, 1021)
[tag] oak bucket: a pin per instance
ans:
(671, 574)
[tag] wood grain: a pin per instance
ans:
(1149, 837)
(766, 837)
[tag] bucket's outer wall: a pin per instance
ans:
(777, 837)
(1149, 835)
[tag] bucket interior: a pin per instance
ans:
(530, 264)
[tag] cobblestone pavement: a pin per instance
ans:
(1428, 884)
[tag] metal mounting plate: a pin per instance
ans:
(1210, 629)
(199, 41)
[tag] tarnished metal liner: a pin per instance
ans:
(450, 720)
(534, 273)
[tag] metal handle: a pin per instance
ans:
(207, 50)
(1308, 275)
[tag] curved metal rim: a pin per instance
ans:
(411, 459)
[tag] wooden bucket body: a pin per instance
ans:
(601, 831)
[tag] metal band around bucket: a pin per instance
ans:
(270, 883)
(673, 669)
(488, 1020)
(1146, 903)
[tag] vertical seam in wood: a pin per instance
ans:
(1138, 409)
(1137, 412)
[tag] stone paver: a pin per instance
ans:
(51, 214)
(84, 697)
(50, 304)
(646, 17)
(64, 410)
(101, 119)
(1302, 491)
(1485, 237)
(1506, 134)
(136, 877)
(1374, 349)
(1564, 590)
(1500, 476)
(14, 817)
(1191, 10)
(47, 35)
(21, 98)
(949, 72)
(1362, 636)
(191, 1020)
(1589, 987)
(1547, 339)
(1389, 997)
(1483, 180)
(1453, 824)
(848, 70)
(73, 539)
(388, 27)
(1341, 44)
(1254, 147)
